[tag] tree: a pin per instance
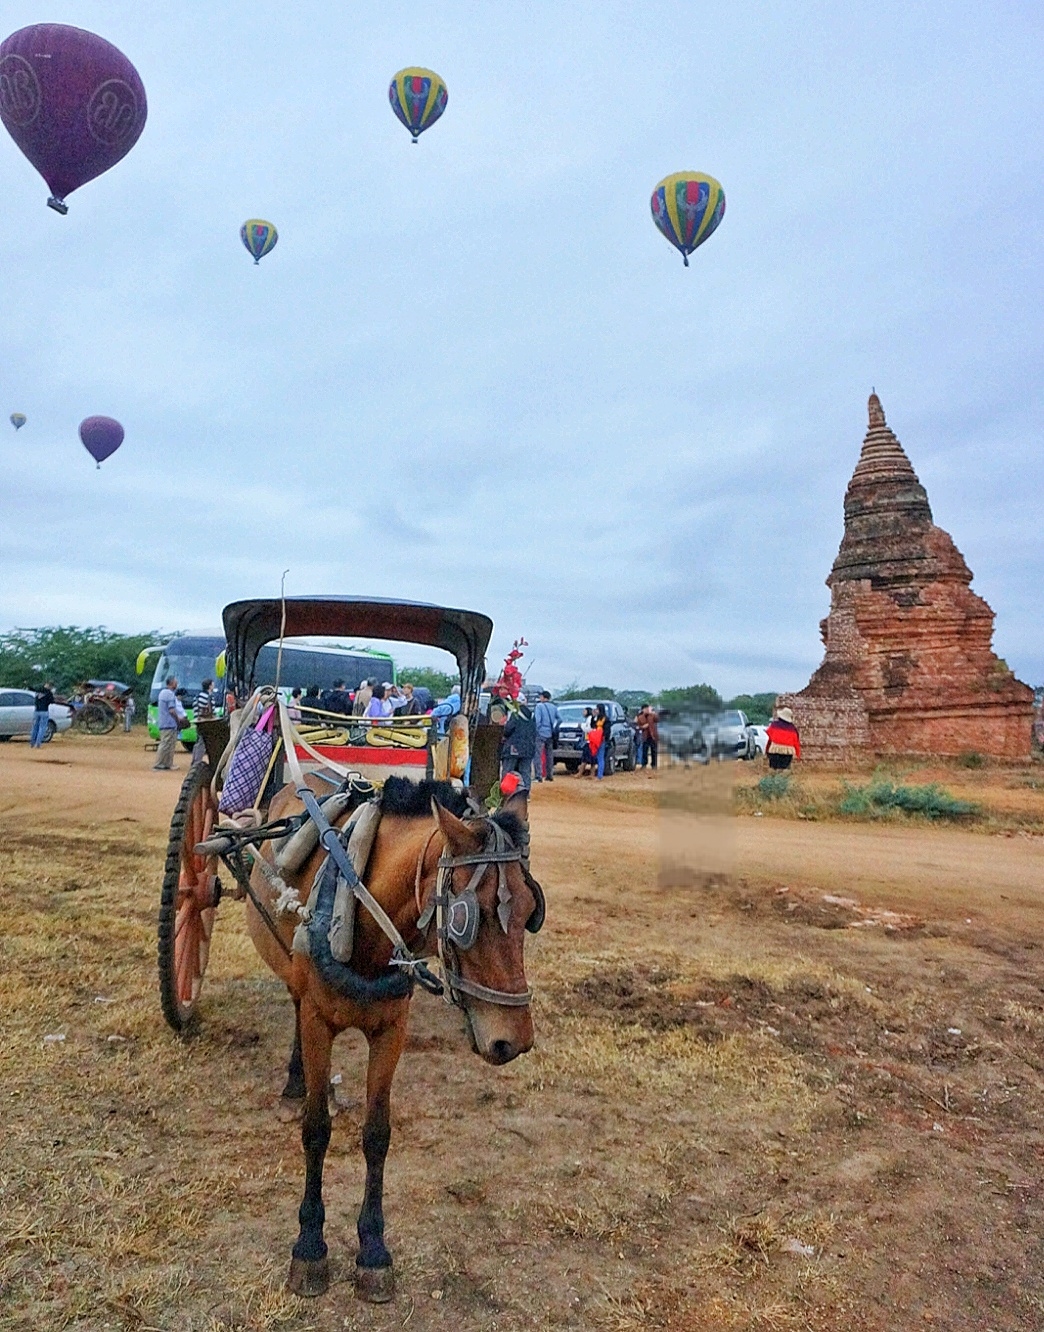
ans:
(758, 707)
(439, 682)
(66, 655)
(591, 691)
(698, 697)
(632, 699)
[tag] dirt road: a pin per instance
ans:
(749, 1107)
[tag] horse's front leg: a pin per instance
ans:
(374, 1278)
(309, 1270)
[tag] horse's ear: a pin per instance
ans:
(459, 838)
(518, 804)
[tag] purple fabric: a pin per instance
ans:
(71, 101)
(101, 435)
(246, 772)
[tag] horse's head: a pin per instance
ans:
(489, 901)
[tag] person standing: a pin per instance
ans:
(546, 720)
(204, 707)
(516, 754)
(413, 705)
(293, 708)
(172, 717)
(362, 698)
(602, 723)
(651, 747)
(784, 742)
(41, 715)
(379, 708)
(129, 709)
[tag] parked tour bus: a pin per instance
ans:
(194, 658)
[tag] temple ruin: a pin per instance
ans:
(909, 665)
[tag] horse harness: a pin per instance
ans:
(458, 915)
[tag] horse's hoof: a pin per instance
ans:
(376, 1285)
(309, 1279)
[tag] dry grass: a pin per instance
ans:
(715, 1076)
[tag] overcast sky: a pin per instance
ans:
(473, 372)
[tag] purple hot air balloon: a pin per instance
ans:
(101, 435)
(71, 101)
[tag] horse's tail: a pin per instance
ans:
(391, 983)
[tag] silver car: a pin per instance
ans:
(17, 707)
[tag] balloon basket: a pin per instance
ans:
(685, 260)
(58, 205)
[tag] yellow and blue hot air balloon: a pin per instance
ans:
(418, 97)
(259, 237)
(687, 208)
(18, 420)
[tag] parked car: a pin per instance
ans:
(686, 737)
(16, 714)
(570, 742)
(760, 734)
(732, 735)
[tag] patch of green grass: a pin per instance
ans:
(971, 758)
(878, 797)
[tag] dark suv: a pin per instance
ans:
(570, 742)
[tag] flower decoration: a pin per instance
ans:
(509, 683)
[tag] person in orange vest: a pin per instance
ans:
(784, 743)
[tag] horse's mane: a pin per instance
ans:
(512, 825)
(412, 800)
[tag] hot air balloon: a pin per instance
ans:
(71, 101)
(418, 97)
(101, 435)
(18, 420)
(687, 208)
(259, 237)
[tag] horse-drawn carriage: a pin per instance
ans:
(353, 877)
(98, 705)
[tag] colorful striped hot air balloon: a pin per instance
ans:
(418, 97)
(687, 208)
(18, 420)
(259, 237)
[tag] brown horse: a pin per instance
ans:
(416, 832)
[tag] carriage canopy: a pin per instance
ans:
(249, 625)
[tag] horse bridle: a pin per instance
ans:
(458, 915)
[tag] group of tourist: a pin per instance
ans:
(372, 700)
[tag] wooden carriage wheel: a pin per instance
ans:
(188, 902)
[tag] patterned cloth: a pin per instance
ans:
(246, 772)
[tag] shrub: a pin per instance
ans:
(774, 786)
(931, 802)
(971, 758)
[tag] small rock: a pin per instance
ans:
(793, 1245)
(436, 1294)
(54, 1038)
(953, 1031)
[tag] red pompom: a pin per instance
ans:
(509, 783)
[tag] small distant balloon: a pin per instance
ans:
(259, 237)
(71, 101)
(18, 420)
(418, 97)
(101, 436)
(687, 208)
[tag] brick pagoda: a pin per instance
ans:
(909, 665)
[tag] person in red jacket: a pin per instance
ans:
(784, 743)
